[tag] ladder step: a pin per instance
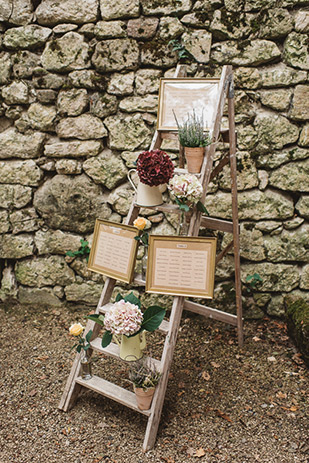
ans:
(112, 391)
(112, 350)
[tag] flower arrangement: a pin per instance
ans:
(140, 223)
(83, 343)
(154, 167)
(191, 132)
(186, 190)
(125, 317)
(143, 374)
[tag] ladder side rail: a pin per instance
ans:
(232, 135)
(166, 361)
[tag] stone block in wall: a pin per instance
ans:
(116, 55)
(112, 10)
(83, 127)
(103, 105)
(41, 117)
(275, 23)
(15, 93)
(297, 315)
(24, 220)
(257, 52)
(293, 223)
(87, 292)
(170, 28)
(88, 78)
(247, 78)
(74, 149)
(106, 169)
(40, 297)
(16, 246)
(15, 196)
(110, 30)
(253, 204)
(196, 19)
(256, 5)
(71, 203)
(296, 51)
(18, 145)
(46, 96)
(24, 62)
(290, 245)
(147, 81)
(247, 176)
(300, 107)
(51, 13)
(304, 279)
(127, 133)
(80, 267)
(121, 84)
(21, 172)
(274, 132)
(120, 199)
(275, 277)
(277, 158)
(302, 206)
(26, 37)
(276, 99)
(8, 287)
(5, 67)
(142, 28)
(302, 21)
(44, 271)
(147, 103)
(224, 25)
(198, 44)
(67, 53)
(64, 28)
(168, 7)
(48, 80)
(304, 136)
(251, 242)
(280, 75)
(158, 53)
(56, 242)
(276, 307)
(19, 12)
(4, 221)
(291, 177)
(72, 102)
(68, 167)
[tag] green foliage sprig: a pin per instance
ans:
(84, 250)
(179, 48)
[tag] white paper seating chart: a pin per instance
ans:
(113, 251)
(181, 265)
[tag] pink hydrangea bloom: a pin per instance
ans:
(123, 318)
(186, 187)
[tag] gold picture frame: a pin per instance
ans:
(181, 266)
(113, 251)
(182, 96)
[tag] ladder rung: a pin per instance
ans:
(112, 391)
(112, 350)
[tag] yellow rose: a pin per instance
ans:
(140, 223)
(76, 329)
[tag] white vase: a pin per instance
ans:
(146, 195)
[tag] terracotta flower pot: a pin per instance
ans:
(194, 158)
(144, 398)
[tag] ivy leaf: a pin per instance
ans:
(70, 253)
(200, 207)
(106, 339)
(132, 299)
(88, 335)
(118, 297)
(96, 318)
(153, 317)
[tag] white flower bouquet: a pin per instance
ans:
(187, 190)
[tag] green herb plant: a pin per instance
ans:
(191, 132)
(143, 374)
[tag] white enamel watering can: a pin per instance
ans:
(146, 195)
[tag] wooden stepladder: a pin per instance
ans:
(170, 328)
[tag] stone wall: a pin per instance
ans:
(79, 92)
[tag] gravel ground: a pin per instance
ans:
(222, 404)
